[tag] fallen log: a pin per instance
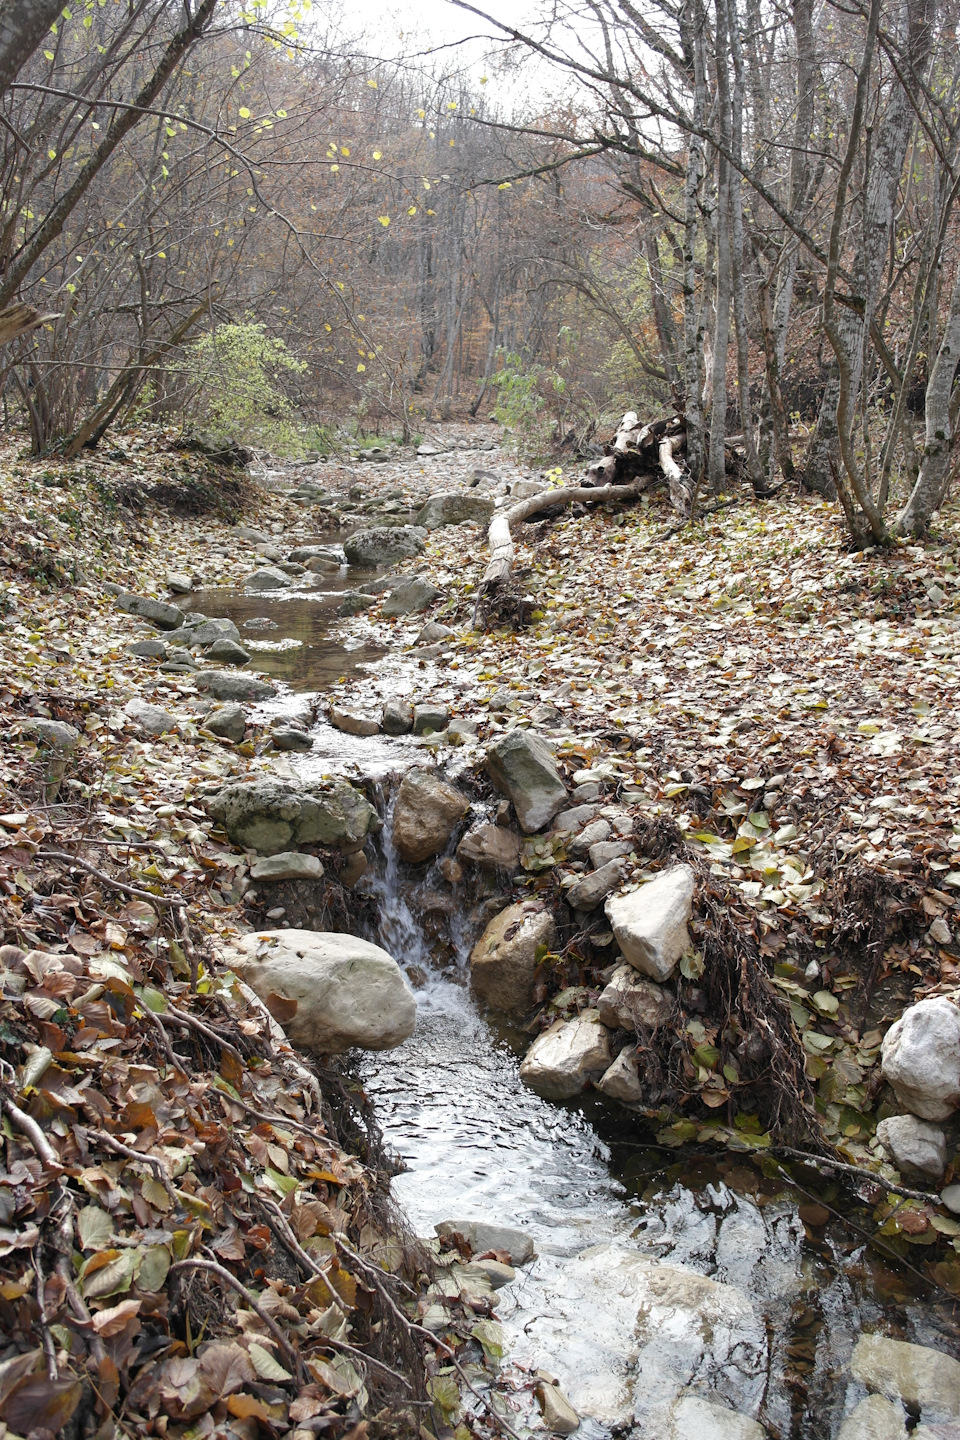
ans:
(639, 457)
(500, 538)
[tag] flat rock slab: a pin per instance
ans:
(484, 1235)
(271, 816)
(145, 607)
(353, 722)
(331, 993)
(288, 865)
(915, 1374)
(224, 685)
(655, 1330)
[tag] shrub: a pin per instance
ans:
(235, 375)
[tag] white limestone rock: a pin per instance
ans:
(915, 1374)
(650, 924)
(921, 1058)
(564, 1059)
(348, 993)
(917, 1148)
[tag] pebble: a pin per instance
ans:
(397, 717)
(353, 602)
(179, 583)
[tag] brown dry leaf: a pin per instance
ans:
(226, 1367)
(281, 1008)
(114, 1319)
(39, 1403)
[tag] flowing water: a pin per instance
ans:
(608, 1210)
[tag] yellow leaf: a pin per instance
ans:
(412, 210)
(361, 367)
(244, 113)
(378, 154)
(384, 219)
(372, 84)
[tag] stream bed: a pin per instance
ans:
(660, 1273)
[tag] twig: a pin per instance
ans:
(277, 1221)
(281, 1121)
(151, 1161)
(212, 1268)
(49, 1349)
(179, 1017)
(172, 901)
(34, 1134)
(152, 1017)
(189, 951)
(278, 1037)
(818, 1161)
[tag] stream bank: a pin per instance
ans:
(694, 1205)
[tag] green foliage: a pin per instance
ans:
(520, 406)
(235, 376)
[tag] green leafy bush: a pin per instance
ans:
(235, 378)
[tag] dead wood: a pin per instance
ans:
(19, 319)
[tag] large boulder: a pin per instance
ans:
(505, 958)
(227, 685)
(915, 1374)
(565, 1058)
(921, 1058)
(630, 1002)
(348, 993)
(145, 607)
(453, 508)
(54, 734)
(522, 768)
(650, 924)
(384, 545)
(274, 815)
(917, 1148)
(426, 813)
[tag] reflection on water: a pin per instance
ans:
(318, 662)
(778, 1310)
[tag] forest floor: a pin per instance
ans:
(789, 705)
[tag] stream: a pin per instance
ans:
(659, 1272)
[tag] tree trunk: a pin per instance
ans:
(695, 22)
(928, 492)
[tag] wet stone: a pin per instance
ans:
(288, 865)
(228, 652)
(397, 718)
(353, 722)
(227, 721)
(291, 739)
(353, 602)
(429, 719)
